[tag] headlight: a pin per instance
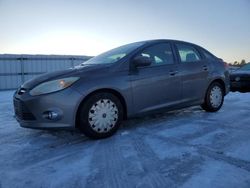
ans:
(237, 79)
(52, 86)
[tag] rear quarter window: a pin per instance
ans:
(208, 55)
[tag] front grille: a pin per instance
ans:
(21, 111)
(245, 78)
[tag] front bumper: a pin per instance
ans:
(242, 86)
(30, 111)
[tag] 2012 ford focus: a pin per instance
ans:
(127, 81)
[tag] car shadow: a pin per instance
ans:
(158, 118)
(58, 138)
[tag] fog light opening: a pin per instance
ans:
(51, 115)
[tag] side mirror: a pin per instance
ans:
(141, 61)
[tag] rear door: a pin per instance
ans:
(194, 71)
(159, 84)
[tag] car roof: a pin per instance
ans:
(165, 40)
(168, 40)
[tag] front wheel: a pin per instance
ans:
(100, 115)
(214, 98)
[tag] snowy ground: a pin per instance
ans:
(185, 148)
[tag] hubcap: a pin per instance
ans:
(216, 96)
(103, 115)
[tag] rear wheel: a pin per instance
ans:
(214, 97)
(101, 115)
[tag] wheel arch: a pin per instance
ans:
(104, 90)
(220, 81)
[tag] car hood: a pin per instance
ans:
(240, 72)
(78, 71)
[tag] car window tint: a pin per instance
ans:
(145, 55)
(112, 56)
(188, 53)
(117, 56)
(208, 55)
(245, 67)
(159, 54)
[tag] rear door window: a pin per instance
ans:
(188, 53)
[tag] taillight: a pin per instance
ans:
(226, 65)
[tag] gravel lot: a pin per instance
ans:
(185, 148)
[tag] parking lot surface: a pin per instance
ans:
(184, 148)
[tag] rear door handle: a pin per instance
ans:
(173, 73)
(205, 68)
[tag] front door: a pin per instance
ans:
(157, 85)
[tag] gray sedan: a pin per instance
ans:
(131, 80)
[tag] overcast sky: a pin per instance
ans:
(89, 27)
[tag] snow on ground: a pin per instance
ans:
(184, 148)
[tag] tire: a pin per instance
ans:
(100, 115)
(214, 97)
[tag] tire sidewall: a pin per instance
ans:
(84, 124)
(208, 105)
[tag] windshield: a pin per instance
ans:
(113, 55)
(245, 67)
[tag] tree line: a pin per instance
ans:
(238, 64)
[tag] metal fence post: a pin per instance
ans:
(22, 69)
(22, 59)
(72, 62)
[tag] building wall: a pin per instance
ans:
(16, 69)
